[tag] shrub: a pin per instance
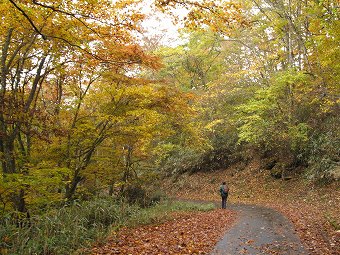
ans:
(62, 230)
(136, 194)
(77, 226)
(323, 152)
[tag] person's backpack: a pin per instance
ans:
(224, 192)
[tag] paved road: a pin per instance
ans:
(259, 230)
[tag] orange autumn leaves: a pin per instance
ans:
(188, 233)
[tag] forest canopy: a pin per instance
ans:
(87, 108)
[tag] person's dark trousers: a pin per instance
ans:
(224, 202)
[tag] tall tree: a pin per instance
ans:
(46, 47)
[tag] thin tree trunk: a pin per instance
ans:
(72, 187)
(8, 156)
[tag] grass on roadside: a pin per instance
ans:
(65, 230)
(162, 211)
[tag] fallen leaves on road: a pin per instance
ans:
(313, 209)
(187, 233)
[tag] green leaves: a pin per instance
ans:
(42, 185)
(272, 116)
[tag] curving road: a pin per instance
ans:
(259, 230)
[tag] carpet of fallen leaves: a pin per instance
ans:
(314, 210)
(186, 233)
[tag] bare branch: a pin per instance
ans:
(28, 19)
(73, 15)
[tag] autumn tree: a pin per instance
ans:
(46, 49)
(270, 87)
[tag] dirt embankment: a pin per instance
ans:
(314, 210)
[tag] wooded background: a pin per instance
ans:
(87, 107)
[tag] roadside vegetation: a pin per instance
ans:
(74, 228)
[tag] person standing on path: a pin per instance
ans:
(224, 190)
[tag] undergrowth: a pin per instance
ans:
(76, 227)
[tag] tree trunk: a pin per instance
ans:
(8, 161)
(111, 188)
(23, 218)
(72, 187)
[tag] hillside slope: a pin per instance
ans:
(313, 209)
